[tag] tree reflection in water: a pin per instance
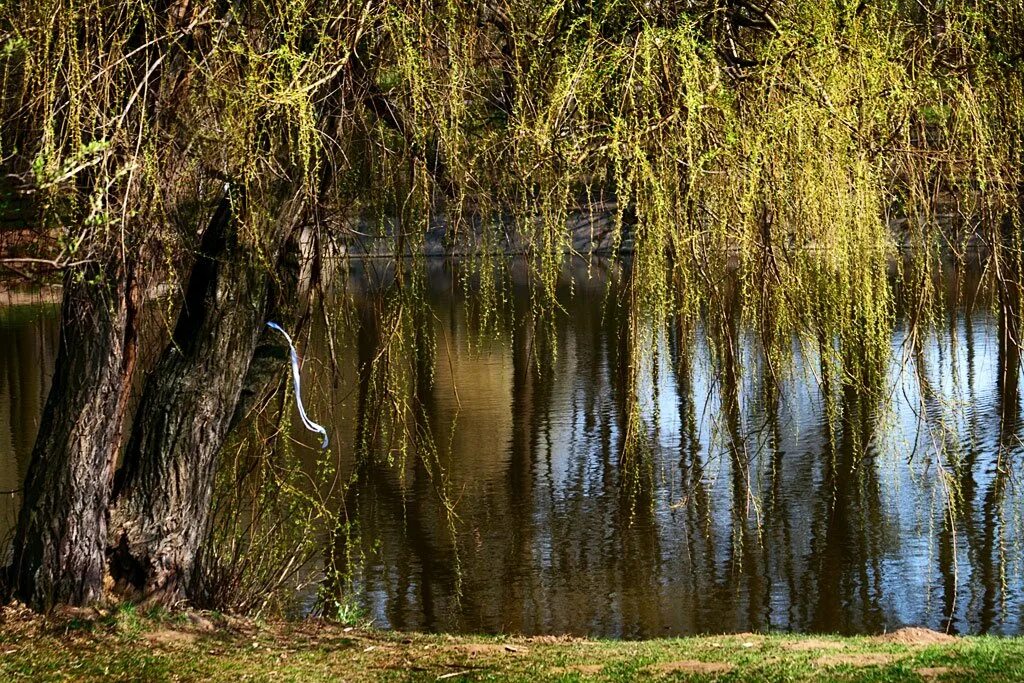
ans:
(494, 482)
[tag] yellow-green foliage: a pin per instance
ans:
(791, 162)
(805, 144)
(806, 147)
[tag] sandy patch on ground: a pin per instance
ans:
(169, 638)
(487, 649)
(863, 659)
(558, 640)
(810, 644)
(915, 635)
(930, 672)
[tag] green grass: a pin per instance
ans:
(130, 645)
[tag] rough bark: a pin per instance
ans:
(61, 534)
(289, 292)
(161, 511)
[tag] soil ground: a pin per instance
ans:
(125, 644)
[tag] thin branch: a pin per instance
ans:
(56, 265)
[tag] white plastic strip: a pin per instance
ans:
(310, 425)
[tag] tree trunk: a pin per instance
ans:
(286, 306)
(61, 534)
(161, 510)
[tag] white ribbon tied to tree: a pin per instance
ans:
(310, 425)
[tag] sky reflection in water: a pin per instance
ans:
(750, 518)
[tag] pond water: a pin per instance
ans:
(767, 512)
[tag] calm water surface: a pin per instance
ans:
(752, 515)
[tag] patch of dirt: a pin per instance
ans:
(691, 666)
(557, 640)
(747, 635)
(862, 659)
(932, 672)
(200, 622)
(16, 618)
(171, 638)
(89, 614)
(810, 644)
(485, 649)
(916, 635)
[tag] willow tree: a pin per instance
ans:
(157, 85)
(189, 142)
(88, 135)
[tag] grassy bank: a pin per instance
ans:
(125, 645)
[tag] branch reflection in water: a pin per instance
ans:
(627, 489)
